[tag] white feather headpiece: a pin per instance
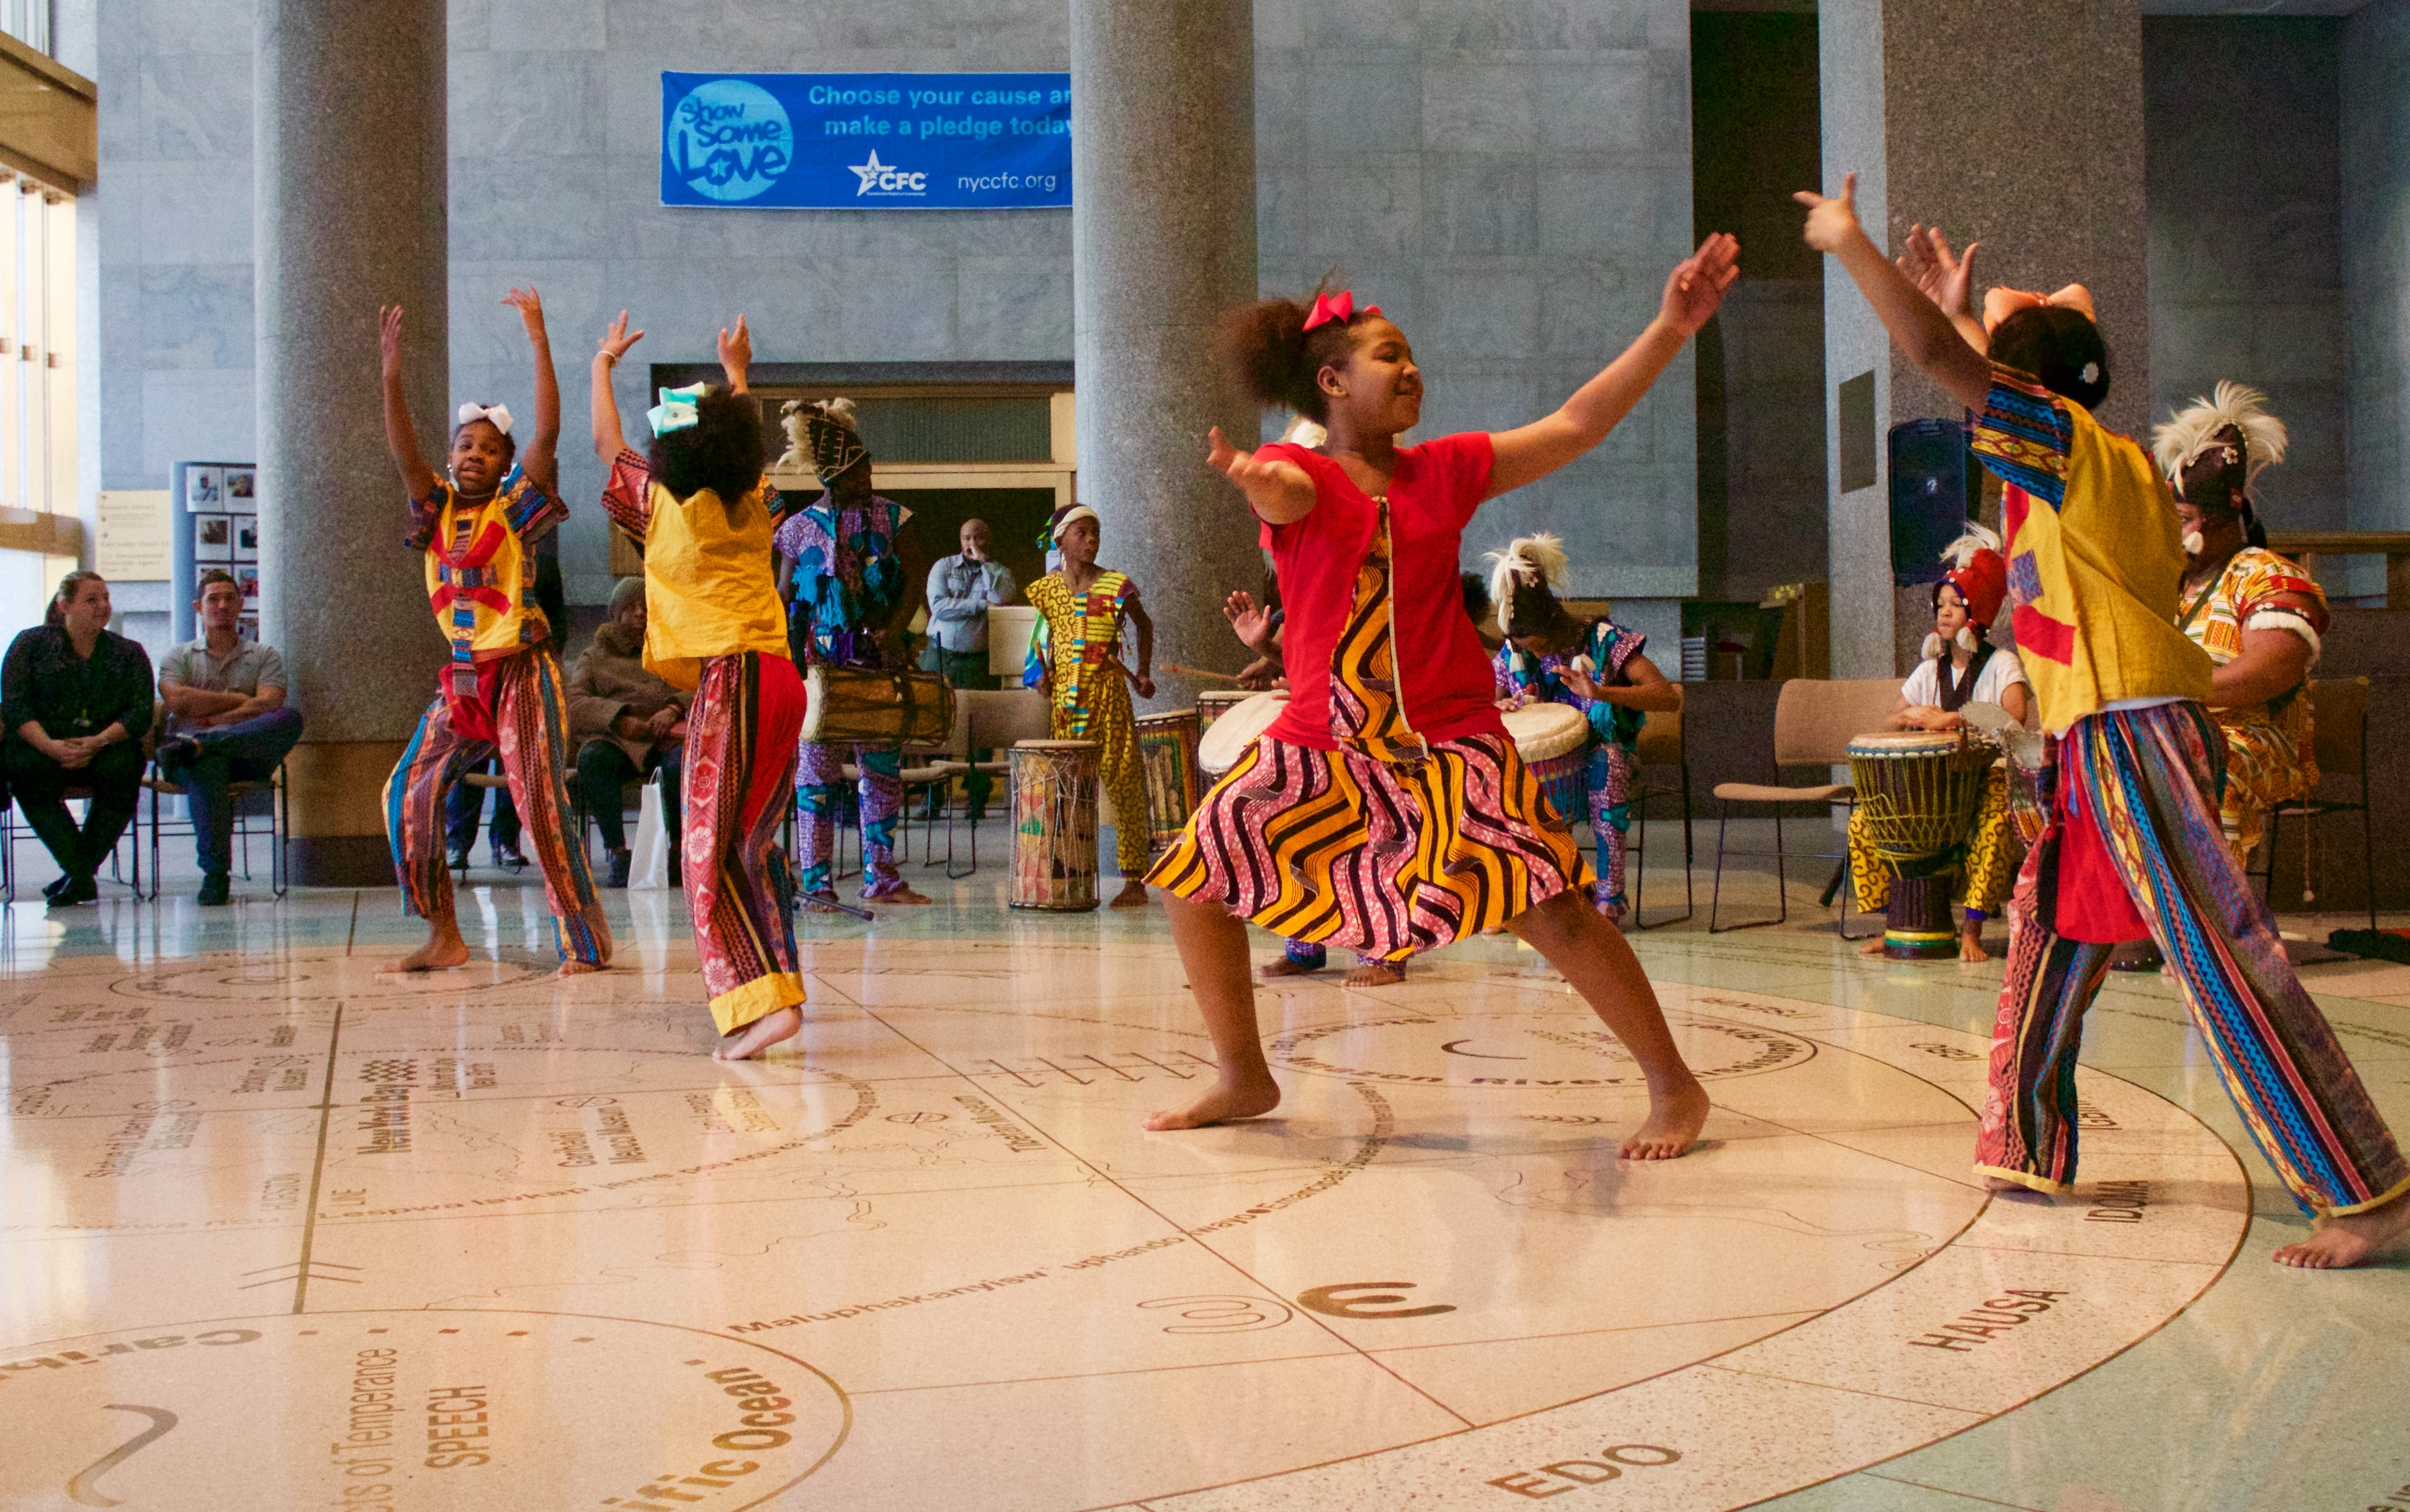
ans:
(1978, 539)
(1539, 559)
(2185, 437)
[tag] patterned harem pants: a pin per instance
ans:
(740, 761)
(2150, 776)
(524, 696)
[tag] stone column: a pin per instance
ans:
(349, 137)
(2019, 127)
(1163, 239)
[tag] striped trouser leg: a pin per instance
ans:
(435, 759)
(740, 761)
(531, 716)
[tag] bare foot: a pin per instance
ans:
(903, 895)
(1970, 947)
(760, 1035)
(2338, 1243)
(1283, 966)
(442, 951)
(1674, 1123)
(1132, 896)
(1874, 946)
(1227, 1101)
(1377, 974)
(576, 967)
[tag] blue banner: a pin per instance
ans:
(866, 141)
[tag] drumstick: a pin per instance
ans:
(1178, 671)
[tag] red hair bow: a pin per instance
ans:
(1341, 308)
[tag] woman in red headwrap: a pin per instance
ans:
(1961, 666)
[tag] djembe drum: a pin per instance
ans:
(1167, 757)
(1215, 701)
(1235, 732)
(876, 708)
(1553, 740)
(1055, 825)
(1919, 793)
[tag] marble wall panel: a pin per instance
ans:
(2375, 157)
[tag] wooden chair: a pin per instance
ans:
(1661, 746)
(1813, 722)
(2338, 739)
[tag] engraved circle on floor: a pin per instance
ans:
(1407, 1279)
(410, 1410)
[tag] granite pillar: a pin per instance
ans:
(2019, 127)
(349, 126)
(1163, 241)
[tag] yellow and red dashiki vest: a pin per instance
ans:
(2275, 737)
(2095, 566)
(480, 573)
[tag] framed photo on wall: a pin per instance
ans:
(246, 538)
(241, 490)
(212, 538)
(204, 488)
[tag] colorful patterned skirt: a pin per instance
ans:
(1386, 859)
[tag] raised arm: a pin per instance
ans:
(1692, 293)
(400, 441)
(737, 355)
(1277, 490)
(1947, 279)
(609, 440)
(1917, 324)
(541, 458)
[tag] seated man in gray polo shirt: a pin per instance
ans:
(226, 723)
(961, 589)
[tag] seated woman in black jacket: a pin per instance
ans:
(74, 702)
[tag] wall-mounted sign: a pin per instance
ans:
(866, 141)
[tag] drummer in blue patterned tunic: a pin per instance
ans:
(1594, 667)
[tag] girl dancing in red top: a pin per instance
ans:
(1385, 809)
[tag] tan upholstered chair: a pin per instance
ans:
(1813, 723)
(2339, 715)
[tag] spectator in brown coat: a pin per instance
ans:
(627, 725)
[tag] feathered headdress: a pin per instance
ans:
(823, 432)
(1528, 562)
(2213, 451)
(1980, 575)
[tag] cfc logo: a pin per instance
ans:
(880, 180)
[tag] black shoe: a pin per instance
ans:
(180, 752)
(78, 890)
(457, 860)
(57, 886)
(508, 858)
(214, 891)
(622, 861)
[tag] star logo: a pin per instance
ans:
(884, 179)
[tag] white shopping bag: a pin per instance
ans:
(648, 867)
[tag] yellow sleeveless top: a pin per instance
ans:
(480, 573)
(2094, 563)
(707, 588)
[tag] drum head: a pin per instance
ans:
(1903, 743)
(1055, 745)
(1540, 731)
(1230, 737)
(1167, 721)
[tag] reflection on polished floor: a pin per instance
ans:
(281, 1232)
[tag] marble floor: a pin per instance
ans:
(278, 1231)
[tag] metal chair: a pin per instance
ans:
(1813, 722)
(279, 823)
(1660, 745)
(2339, 740)
(991, 720)
(8, 852)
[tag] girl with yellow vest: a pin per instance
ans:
(2134, 848)
(503, 691)
(713, 622)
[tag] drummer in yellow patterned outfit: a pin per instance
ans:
(1961, 666)
(1076, 657)
(2258, 616)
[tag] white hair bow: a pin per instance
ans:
(499, 416)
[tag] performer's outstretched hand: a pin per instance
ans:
(1248, 620)
(736, 354)
(1831, 223)
(1945, 279)
(617, 341)
(1696, 286)
(1277, 490)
